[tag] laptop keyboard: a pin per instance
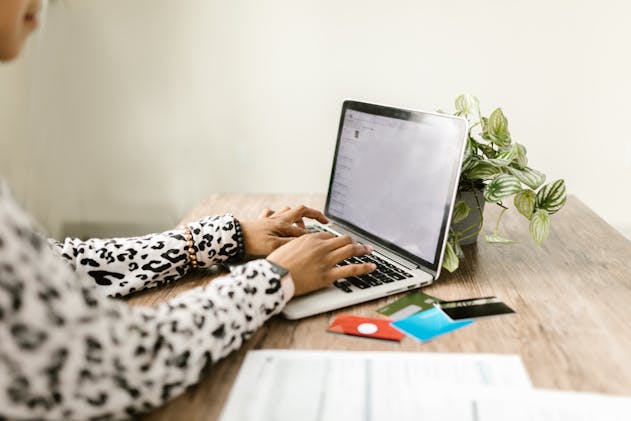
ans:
(384, 274)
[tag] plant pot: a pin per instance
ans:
(470, 226)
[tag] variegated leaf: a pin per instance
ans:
(552, 196)
(461, 105)
(504, 157)
(483, 125)
(496, 238)
(520, 160)
(502, 186)
(482, 170)
(497, 128)
(487, 151)
(525, 202)
(469, 154)
(450, 260)
(467, 104)
(540, 226)
(474, 144)
(529, 176)
(469, 163)
(461, 211)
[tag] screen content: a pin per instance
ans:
(392, 176)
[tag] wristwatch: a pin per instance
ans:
(278, 269)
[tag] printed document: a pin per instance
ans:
(357, 386)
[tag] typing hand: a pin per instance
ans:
(274, 229)
(311, 260)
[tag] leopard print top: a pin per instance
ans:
(68, 351)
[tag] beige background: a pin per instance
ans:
(135, 110)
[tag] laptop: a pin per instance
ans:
(393, 185)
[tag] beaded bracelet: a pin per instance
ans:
(239, 237)
(192, 257)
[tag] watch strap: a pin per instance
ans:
(278, 269)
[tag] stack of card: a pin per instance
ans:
(420, 316)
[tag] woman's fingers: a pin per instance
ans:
(349, 250)
(323, 235)
(303, 211)
(286, 229)
(295, 215)
(337, 242)
(265, 213)
(351, 270)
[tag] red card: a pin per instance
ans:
(365, 326)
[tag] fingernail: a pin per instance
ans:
(373, 266)
(369, 248)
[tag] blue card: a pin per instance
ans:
(428, 324)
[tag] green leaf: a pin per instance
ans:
(482, 170)
(496, 238)
(540, 226)
(552, 196)
(487, 150)
(504, 157)
(469, 155)
(520, 160)
(472, 146)
(502, 186)
(458, 250)
(461, 211)
(483, 124)
(497, 128)
(525, 202)
(469, 163)
(450, 260)
(529, 176)
(467, 104)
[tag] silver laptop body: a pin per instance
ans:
(393, 185)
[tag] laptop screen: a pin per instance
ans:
(394, 176)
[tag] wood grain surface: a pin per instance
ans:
(572, 297)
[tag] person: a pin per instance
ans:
(70, 350)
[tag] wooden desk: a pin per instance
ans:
(572, 298)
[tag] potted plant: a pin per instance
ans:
(494, 170)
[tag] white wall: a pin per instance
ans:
(136, 109)
(12, 114)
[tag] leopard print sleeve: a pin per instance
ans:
(69, 352)
(121, 266)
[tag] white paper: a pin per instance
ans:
(548, 405)
(353, 386)
(495, 404)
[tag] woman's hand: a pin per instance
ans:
(311, 260)
(273, 229)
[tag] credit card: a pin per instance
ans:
(409, 305)
(475, 308)
(364, 326)
(428, 324)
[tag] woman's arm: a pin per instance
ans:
(67, 352)
(120, 266)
